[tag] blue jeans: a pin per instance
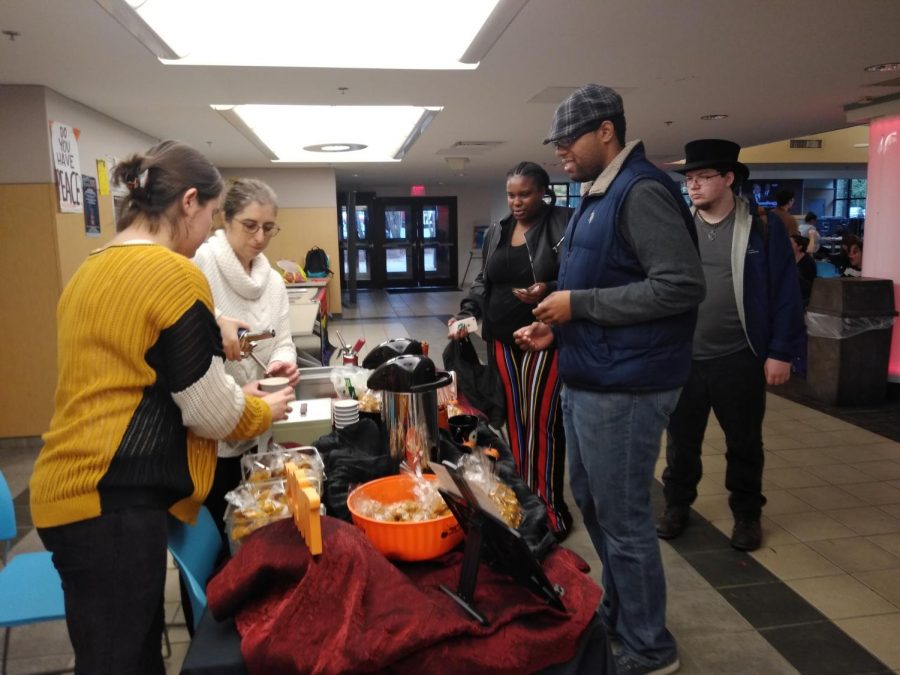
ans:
(613, 441)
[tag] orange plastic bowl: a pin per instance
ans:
(422, 540)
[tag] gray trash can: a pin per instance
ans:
(849, 323)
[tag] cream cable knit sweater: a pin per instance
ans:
(261, 300)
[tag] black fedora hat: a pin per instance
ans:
(714, 153)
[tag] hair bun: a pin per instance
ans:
(137, 185)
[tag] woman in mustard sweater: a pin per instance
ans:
(141, 399)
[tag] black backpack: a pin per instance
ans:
(317, 265)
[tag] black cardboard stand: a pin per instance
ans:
(501, 546)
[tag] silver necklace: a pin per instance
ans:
(711, 230)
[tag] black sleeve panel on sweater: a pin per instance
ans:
(185, 349)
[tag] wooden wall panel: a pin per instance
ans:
(28, 296)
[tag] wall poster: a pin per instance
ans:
(64, 146)
(91, 207)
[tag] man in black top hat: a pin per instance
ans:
(749, 328)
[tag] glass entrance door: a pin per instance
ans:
(363, 245)
(419, 241)
(399, 244)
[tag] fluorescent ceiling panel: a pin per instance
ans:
(398, 34)
(283, 131)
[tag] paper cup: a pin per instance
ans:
(272, 384)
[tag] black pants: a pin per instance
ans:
(734, 387)
(113, 571)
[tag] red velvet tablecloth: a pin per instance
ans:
(351, 610)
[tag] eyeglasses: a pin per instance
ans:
(700, 181)
(252, 227)
(569, 141)
(565, 143)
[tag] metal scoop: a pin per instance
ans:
(248, 344)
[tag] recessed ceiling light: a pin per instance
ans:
(335, 147)
(275, 33)
(301, 133)
(714, 116)
(883, 67)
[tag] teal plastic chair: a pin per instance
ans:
(195, 549)
(30, 588)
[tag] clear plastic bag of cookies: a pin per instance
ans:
(261, 467)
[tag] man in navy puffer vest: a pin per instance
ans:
(624, 315)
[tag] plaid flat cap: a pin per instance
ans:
(583, 111)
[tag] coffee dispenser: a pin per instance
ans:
(409, 407)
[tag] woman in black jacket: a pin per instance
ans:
(519, 267)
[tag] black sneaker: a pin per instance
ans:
(625, 665)
(672, 522)
(747, 535)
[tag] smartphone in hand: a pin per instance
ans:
(470, 323)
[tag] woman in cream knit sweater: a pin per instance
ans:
(245, 287)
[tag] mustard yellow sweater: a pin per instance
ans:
(142, 391)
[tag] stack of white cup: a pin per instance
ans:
(346, 412)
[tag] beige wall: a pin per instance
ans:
(301, 229)
(838, 147)
(305, 188)
(24, 135)
(307, 214)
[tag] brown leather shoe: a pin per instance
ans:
(672, 522)
(747, 535)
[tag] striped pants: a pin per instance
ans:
(535, 424)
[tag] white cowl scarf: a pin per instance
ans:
(260, 299)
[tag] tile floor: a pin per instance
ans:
(821, 596)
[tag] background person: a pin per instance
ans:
(807, 271)
(808, 230)
(520, 262)
(629, 283)
(784, 201)
(749, 328)
(854, 247)
(245, 286)
(142, 388)
(806, 266)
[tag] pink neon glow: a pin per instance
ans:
(882, 233)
